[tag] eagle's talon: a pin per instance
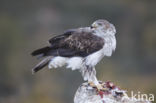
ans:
(92, 84)
(99, 87)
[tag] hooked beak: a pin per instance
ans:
(93, 26)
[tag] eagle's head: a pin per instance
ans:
(103, 27)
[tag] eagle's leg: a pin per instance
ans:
(94, 83)
(98, 86)
(92, 80)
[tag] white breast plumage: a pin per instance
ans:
(110, 45)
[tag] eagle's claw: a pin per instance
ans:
(99, 87)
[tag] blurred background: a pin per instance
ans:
(26, 25)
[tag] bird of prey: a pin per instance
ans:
(79, 49)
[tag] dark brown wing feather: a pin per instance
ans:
(41, 64)
(54, 44)
(56, 39)
(72, 43)
(83, 42)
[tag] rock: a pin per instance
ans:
(110, 94)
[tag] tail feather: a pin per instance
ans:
(41, 65)
(41, 51)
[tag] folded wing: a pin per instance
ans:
(72, 43)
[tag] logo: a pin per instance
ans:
(142, 97)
